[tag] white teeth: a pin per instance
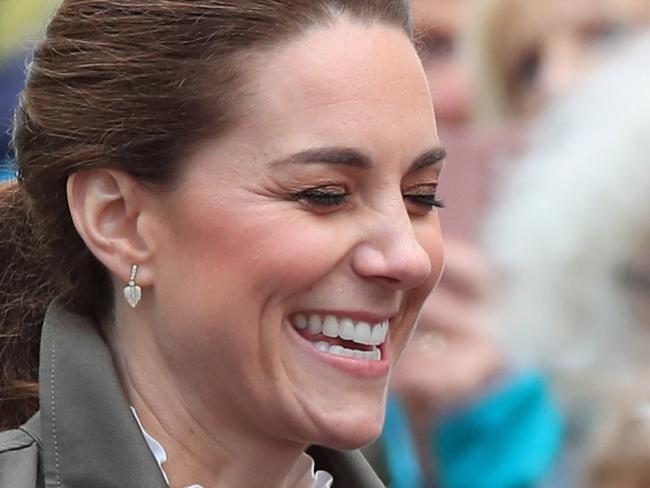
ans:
(374, 355)
(362, 333)
(322, 346)
(300, 322)
(330, 327)
(378, 335)
(345, 328)
(315, 326)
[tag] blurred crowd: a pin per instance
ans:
(528, 366)
(527, 369)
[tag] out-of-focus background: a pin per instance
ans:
(528, 368)
(21, 23)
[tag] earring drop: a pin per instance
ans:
(132, 292)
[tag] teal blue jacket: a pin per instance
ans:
(509, 438)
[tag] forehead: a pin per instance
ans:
(348, 76)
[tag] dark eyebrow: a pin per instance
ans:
(353, 157)
(428, 158)
(328, 155)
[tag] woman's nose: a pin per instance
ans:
(392, 254)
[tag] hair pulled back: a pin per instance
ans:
(130, 85)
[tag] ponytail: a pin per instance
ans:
(25, 292)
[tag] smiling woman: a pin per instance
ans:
(229, 211)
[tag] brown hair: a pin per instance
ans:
(122, 85)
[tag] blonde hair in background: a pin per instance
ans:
(499, 31)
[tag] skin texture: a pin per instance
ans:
(209, 360)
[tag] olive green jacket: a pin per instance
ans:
(85, 435)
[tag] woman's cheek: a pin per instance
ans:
(429, 236)
(298, 255)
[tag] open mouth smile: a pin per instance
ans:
(342, 336)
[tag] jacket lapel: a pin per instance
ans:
(90, 438)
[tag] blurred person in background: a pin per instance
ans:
(20, 21)
(570, 238)
(458, 412)
(441, 27)
(514, 58)
(527, 52)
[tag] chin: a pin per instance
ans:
(352, 432)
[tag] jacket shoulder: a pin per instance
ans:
(12, 440)
(19, 453)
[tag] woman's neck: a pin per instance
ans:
(204, 445)
(215, 457)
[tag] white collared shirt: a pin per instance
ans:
(302, 475)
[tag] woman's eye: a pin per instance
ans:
(323, 196)
(426, 200)
(425, 197)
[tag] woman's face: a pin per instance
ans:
(317, 210)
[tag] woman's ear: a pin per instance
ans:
(110, 210)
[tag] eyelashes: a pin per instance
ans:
(323, 196)
(425, 196)
(326, 197)
(430, 201)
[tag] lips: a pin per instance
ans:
(342, 336)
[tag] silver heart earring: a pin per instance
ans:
(132, 292)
